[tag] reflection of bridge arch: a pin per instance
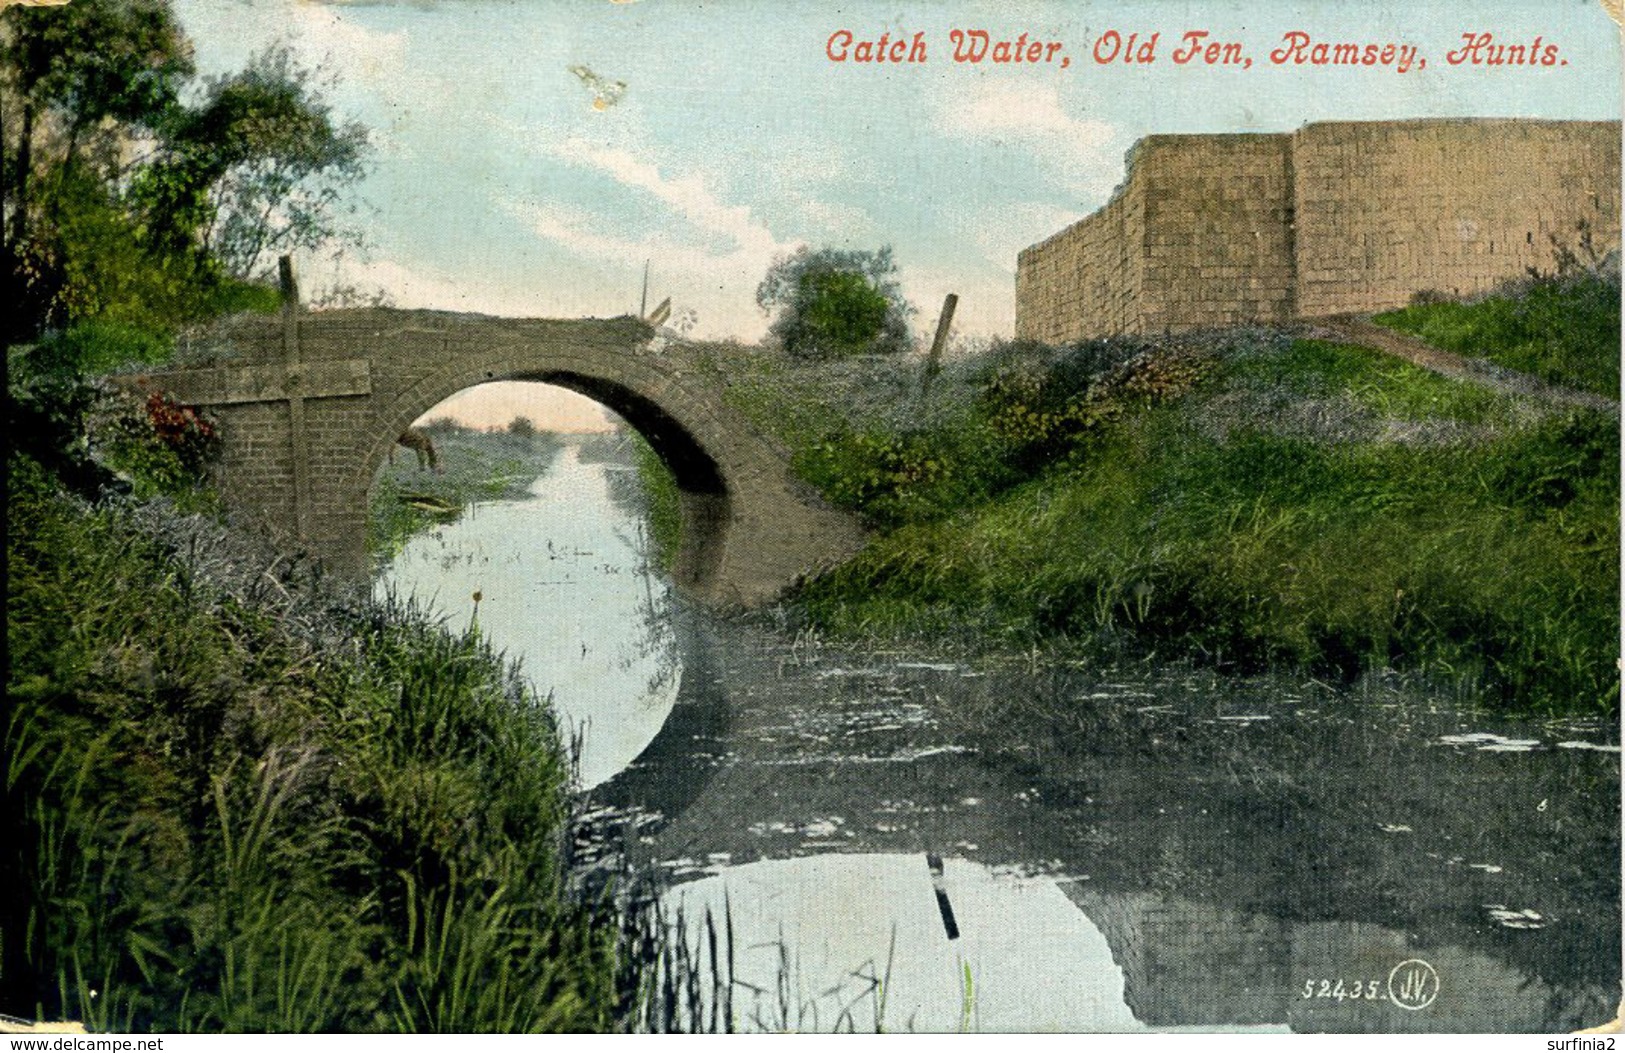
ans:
(309, 405)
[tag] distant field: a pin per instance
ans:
(473, 466)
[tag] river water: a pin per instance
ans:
(891, 840)
(564, 588)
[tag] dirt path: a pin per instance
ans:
(1355, 330)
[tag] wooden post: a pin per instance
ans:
(933, 363)
(296, 399)
(290, 284)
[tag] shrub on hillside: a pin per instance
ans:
(833, 303)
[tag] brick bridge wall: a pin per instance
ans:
(1336, 218)
(309, 404)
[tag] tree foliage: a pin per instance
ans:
(81, 84)
(832, 303)
(267, 161)
(129, 197)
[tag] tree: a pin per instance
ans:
(122, 201)
(78, 84)
(259, 167)
(832, 303)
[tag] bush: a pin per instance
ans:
(833, 304)
(161, 447)
(895, 478)
(53, 393)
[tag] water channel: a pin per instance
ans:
(1036, 848)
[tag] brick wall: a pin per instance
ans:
(1386, 210)
(1218, 246)
(1086, 276)
(1346, 217)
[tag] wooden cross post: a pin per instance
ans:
(294, 388)
(286, 378)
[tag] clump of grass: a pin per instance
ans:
(237, 802)
(1562, 325)
(692, 982)
(1372, 385)
(661, 501)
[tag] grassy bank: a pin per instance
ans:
(1562, 327)
(661, 501)
(408, 498)
(237, 803)
(1244, 499)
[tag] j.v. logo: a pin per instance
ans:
(1413, 984)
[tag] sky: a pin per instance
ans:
(505, 183)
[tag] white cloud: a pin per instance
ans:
(687, 196)
(708, 254)
(719, 286)
(836, 221)
(1001, 108)
(415, 287)
(325, 36)
(1019, 226)
(1032, 119)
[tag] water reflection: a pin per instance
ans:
(813, 935)
(1024, 958)
(1162, 849)
(1236, 844)
(564, 587)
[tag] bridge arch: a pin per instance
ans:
(310, 405)
(704, 497)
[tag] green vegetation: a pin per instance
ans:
(1372, 383)
(234, 804)
(662, 501)
(66, 414)
(1245, 500)
(693, 986)
(1562, 327)
(835, 303)
(473, 466)
(235, 799)
(135, 194)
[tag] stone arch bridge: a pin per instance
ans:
(309, 404)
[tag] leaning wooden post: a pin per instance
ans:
(933, 362)
(296, 402)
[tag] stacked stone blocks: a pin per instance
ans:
(1336, 218)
